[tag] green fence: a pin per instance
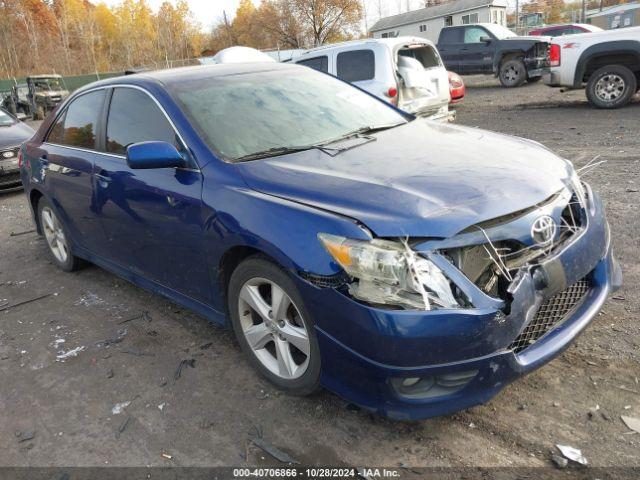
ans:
(72, 82)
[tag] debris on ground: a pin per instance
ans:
(62, 355)
(123, 426)
(206, 346)
(631, 423)
(89, 299)
(137, 353)
(110, 373)
(17, 234)
(167, 456)
(572, 454)
(119, 337)
(161, 406)
(142, 316)
(559, 461)
(118, 408)
(24, 302)
(26, 435)
(191, 362)
(275, 452)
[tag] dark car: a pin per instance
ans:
(565, 29)
(491, 49)
(412, 267)
(13, 133)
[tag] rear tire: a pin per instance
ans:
(56, 237)
(611, 86)
(273, 327)
(512, 73)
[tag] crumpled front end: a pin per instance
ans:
(519, 289)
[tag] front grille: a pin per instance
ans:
(551, 313)
(9, 180)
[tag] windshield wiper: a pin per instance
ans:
(272, 152)
(277, 151)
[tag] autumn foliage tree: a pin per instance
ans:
(77, 36)
(288, 24)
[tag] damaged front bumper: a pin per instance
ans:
(411, 364)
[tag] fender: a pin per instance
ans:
(618, 47)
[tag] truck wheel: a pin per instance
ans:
(611, 86)
(513, 73)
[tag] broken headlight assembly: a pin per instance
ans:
(390, 273)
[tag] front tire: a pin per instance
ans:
(512, 73)
(56, 237)
(273, 326)
(611, 86)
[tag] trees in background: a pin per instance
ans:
(289, 24)
(76, 36)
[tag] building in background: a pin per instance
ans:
(619, 16)
(427, 22)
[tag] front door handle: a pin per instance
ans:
(103, 180)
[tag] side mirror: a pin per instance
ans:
(154, 155)
(485, 39)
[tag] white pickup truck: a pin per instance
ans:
(606, 63)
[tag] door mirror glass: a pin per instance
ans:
(485, 39)
(154, 155)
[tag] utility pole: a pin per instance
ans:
(517, 15)
(583, 16)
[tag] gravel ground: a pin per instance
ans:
(204, 417)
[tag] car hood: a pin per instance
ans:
(15, 135)
(423, 179)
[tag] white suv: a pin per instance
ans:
(606, 63)
(405, 71)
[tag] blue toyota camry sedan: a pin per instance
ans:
(413, 268)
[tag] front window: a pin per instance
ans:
(47, 84)
(239, 115)
(6, 120)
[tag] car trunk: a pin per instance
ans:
(423, 85)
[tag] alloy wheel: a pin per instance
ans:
(274, 328)
(610, 87)
(55, 235)
(511, 74)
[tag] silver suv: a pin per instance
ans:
(405, 71)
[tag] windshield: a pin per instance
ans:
(240, 115)
(47, 84)
(6, 119)
(499, 31)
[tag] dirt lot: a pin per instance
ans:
(204, 416)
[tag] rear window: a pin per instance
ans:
(317, 63)
(450, 35)
(77, 127)
(356, 66)
(427, 56)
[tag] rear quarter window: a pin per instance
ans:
(450, 35)
(317, 63)
(77, 126)
(356, 65)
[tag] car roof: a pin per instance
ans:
(198, 72)
(392, 41)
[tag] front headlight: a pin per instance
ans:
(390, 273)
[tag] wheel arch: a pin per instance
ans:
(623, 52)
(504, 56)
(34, 197)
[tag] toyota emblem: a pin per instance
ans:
(543, 230)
